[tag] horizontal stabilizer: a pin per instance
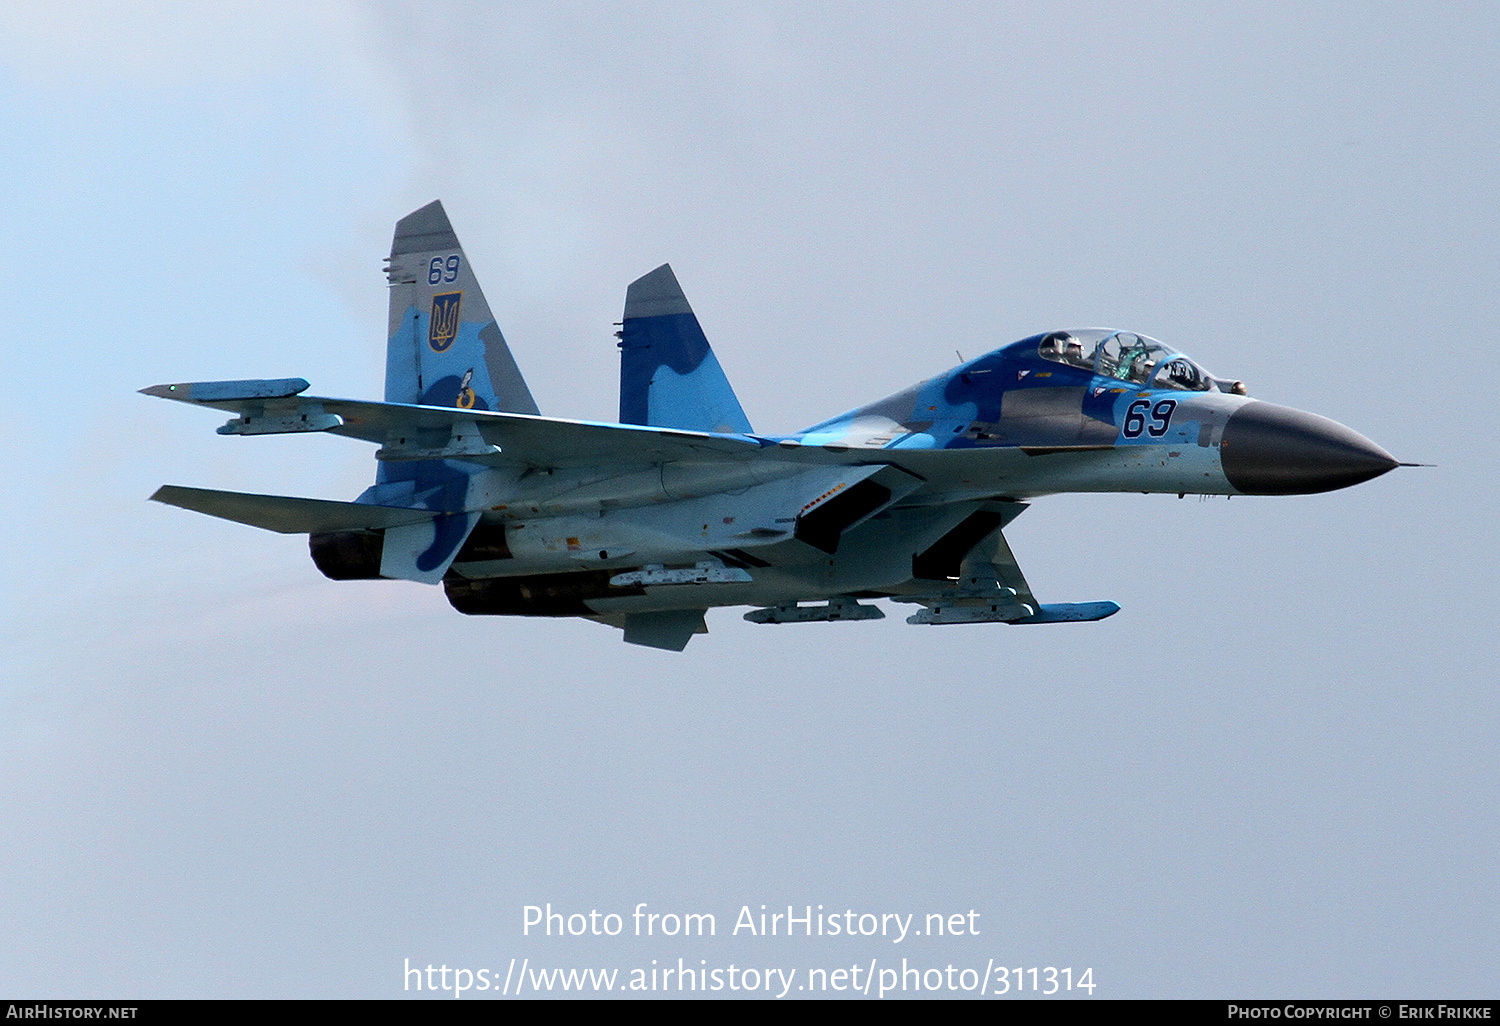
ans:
(288, 515)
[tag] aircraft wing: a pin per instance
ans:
(407, 431)
(410, 432)
(519, 438)
(287, 515)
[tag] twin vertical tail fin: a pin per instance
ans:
(444, 347)
(669, 376)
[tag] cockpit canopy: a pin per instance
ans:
(1127, 356)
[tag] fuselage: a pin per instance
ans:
(1108, 422)
(1015, 424)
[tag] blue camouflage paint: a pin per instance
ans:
(439, 485)
(440, 325)
(669, 376)
(255, 388)
(448, 533)
(442, 371)
(943, 412)
(451, 391)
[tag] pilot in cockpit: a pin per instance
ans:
(1073, 352)
(1060, 345)
(1133, 365)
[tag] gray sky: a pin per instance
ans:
(1273, 773)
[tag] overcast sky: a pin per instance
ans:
(1273, 773)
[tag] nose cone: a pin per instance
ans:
(1275, 450)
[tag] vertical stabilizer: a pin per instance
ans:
(669, 377)
(444, 347)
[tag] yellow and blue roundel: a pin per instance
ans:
(442, 325)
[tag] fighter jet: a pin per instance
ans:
(681, 506)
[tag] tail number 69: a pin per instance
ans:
(1160, 414)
